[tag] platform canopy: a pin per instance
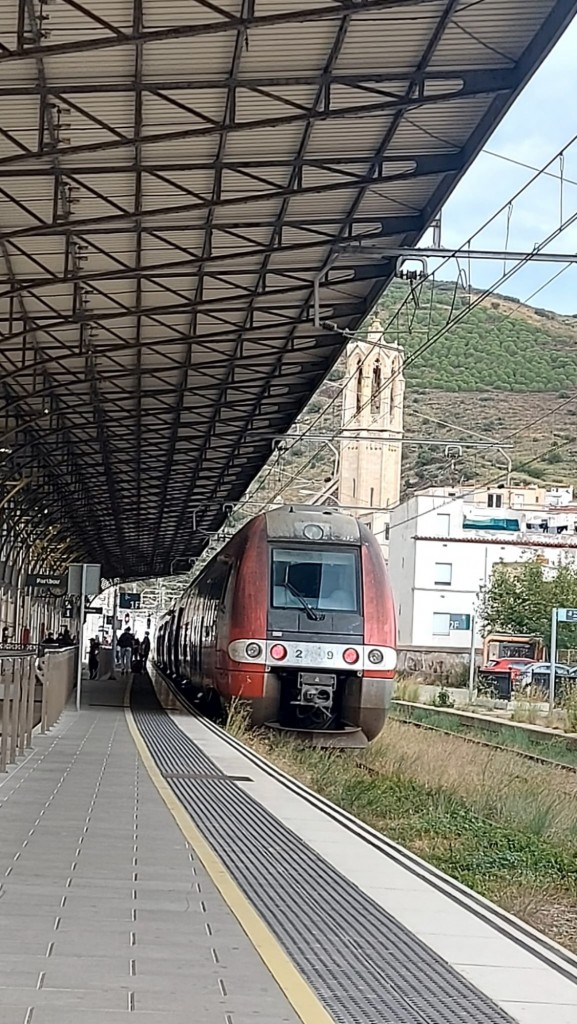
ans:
(174, 177)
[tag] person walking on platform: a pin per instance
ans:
(125, 645)
(93, 657)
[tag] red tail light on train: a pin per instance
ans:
(278, 652)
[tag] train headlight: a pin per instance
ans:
(375, 657)
(253, 650)
(278, 652)
(313, 531)
(351, 656)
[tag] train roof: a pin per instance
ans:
(312, 523)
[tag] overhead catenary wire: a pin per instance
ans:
(480, 298)
(440, 333)
(451, 254)
(430, 340)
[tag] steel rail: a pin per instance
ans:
(528, 755)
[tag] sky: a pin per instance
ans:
(539, 124)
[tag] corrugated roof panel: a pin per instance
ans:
(445, 121)
(74, 68)
(394, 40)
(491, 34)
(199, 57)
(158, 14)
(63, 20)
(297, 49)
(361, 134)
(163, 111)
(171, 196)
(279, 141)
(182, 150)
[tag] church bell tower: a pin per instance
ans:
(370, 468)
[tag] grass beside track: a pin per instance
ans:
(513, 738)
(505, 827)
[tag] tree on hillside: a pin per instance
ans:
(521, 598)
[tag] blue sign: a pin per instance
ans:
(459, 621)
(567, 614)
(129, 601)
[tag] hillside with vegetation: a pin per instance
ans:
(497, 344)
(502, 372)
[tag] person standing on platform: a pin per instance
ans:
(64, 638)
(125, 645)
(136, 662)
(145, 649)
(93, 657)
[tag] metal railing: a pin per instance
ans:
(34, 691)
(56, 671)
(17, 690)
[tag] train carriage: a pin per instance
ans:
(295, 617)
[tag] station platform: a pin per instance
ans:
(154, 869)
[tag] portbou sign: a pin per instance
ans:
(46, 580)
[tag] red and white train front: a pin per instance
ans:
(294, 616)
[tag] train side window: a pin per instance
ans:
(225, 586)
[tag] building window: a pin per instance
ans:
(354, 488)
(443, 524)
(359, 388)
(372, 496)
(441, 623)
(443, 574)
(495, 500)
(376, 390)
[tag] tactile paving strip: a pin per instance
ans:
(365, 966)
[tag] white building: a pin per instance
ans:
(444, 543)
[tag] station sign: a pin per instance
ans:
(45, 580)
(130, 601)
(567, 615)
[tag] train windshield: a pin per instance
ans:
(326, 580)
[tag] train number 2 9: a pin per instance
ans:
(299, 653)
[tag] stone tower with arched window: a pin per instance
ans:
(370, 468)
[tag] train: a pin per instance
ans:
(294, 617)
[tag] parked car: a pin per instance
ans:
(539, 673)
(513, 665)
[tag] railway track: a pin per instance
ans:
(536, 758)
(369, 769)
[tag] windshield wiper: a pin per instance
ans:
(307, 607)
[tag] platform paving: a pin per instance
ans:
(106, 916)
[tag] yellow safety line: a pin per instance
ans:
(296, 989)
